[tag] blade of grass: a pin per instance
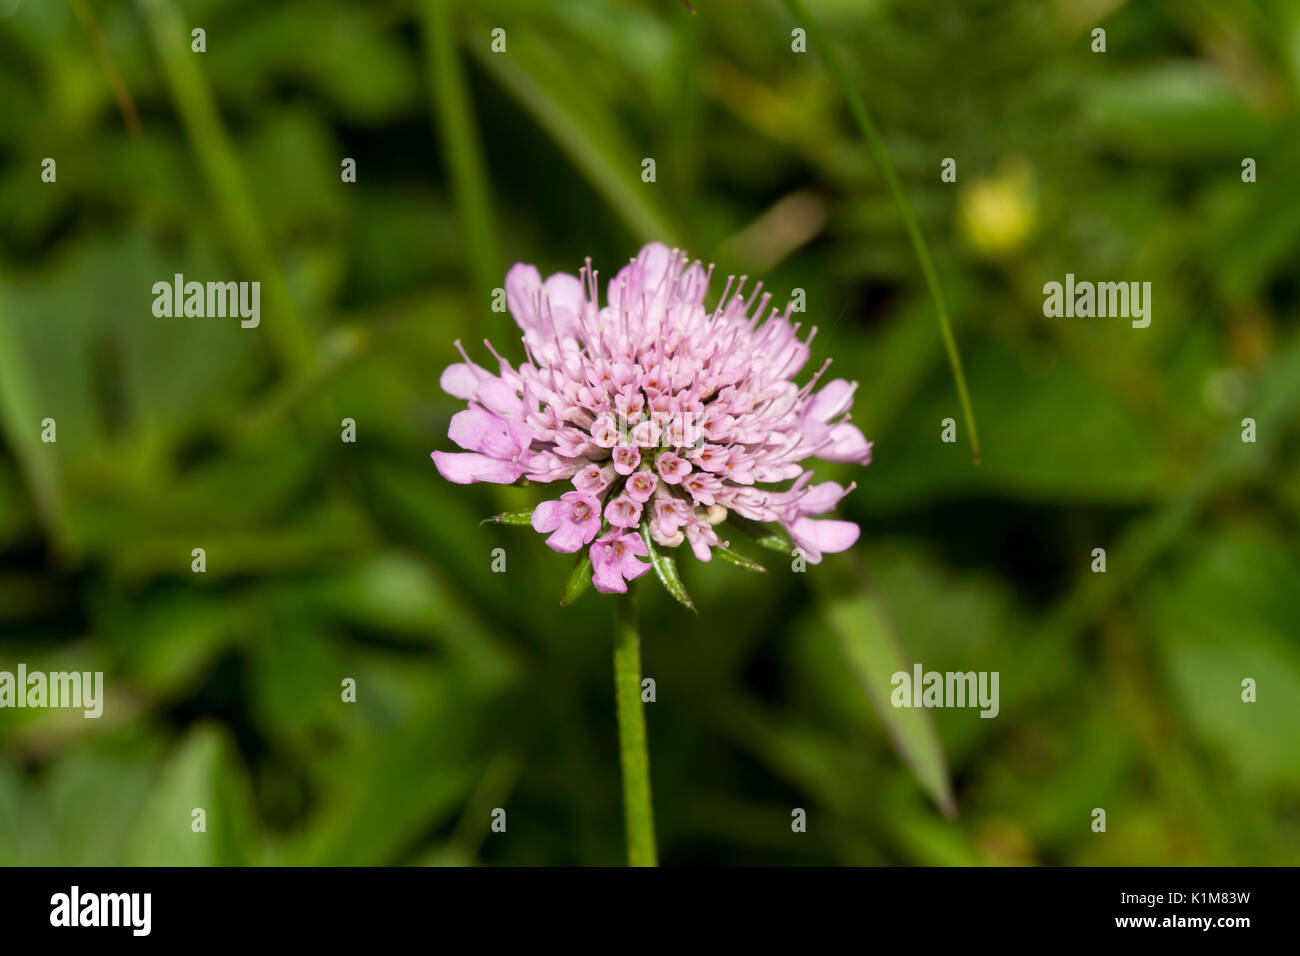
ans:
(835, 66)
(287, 329)
(453, 116)
(859, 620)
(579, 125)
(125, 104)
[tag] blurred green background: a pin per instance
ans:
(476, 690)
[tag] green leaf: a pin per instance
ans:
(21, 425)
(666, 568)
(511, 518)
(868, 640)
(738, 559)
(200, 774)
(579, 580)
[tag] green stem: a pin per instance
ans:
(876, 145)
(637, 809)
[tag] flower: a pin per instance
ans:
(614, 562)
(657, 409)
(623, 512)
(575, 519)
(641, 486)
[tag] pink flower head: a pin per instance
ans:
(654, 375)
(614, 561)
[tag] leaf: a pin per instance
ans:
(199, 775)
(666, 568)
(738, 559)
(515, 518)
(21, 425)
(405, 762)
(579, 580)
(867, 637)
(1224, 613)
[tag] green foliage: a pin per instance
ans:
(330, 561)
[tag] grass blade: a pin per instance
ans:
(866, 635)
(835, 66)
(580, 127)
(287, 329)
(453, 116)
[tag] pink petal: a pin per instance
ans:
(632, 568)
(607, 579)
(820, 498)
(522, 285)
(546, 466)
(461, 379)
(570, 536)
(471, 427)
(566, 297)
(825, 536)
(548, 515)
(500, 397)
(468, 467)
(835, 397)
(847, 444)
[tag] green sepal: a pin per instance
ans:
(738, 559)
(511, 518)
(666, 569)
(579, 580)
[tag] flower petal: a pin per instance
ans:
(468, 467)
